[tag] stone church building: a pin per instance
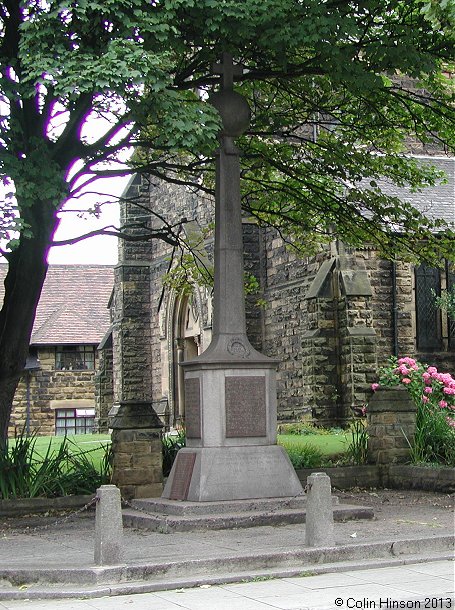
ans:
(330, 320)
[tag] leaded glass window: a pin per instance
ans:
(428, 316)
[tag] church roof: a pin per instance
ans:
(435, 202)
(73, 308)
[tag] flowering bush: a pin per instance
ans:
(434, 395)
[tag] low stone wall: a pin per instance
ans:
(394, 476)
(420, 477)
(28, 506)
(342, 477)
(346, 477)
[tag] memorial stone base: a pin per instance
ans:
(231, 451)
(208, 474)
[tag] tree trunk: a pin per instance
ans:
(27, 268)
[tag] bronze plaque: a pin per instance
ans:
(193, 408)
(245, 406)
(182, 476)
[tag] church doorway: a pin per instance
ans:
(186, 346)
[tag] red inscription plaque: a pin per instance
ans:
(245, 406)
(182, 476)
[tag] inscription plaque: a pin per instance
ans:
(245, 406)
(192, 408)
(182, 476)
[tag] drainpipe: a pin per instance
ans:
(394, 309)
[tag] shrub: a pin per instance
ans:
(303, 456)
(434, 396)
(446, 301)
(302, 428)
(170, 445)
(25, 473)
(357, 451)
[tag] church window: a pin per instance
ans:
(434, 329)
(75, 357)
(450, 274)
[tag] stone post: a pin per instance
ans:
(136, 448)
(319, 511)
(108, 526)
(391, 417)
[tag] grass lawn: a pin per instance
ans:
(77, 443)
(328, 444)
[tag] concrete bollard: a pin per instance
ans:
(108, 526)
(319, 511)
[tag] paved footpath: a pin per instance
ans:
(420, 585)
(404, 553)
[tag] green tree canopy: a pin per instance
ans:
(368, 78)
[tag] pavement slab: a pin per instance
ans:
(371, 588)
(405, 548)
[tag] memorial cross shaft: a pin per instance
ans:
(229, 299)
(230, 389)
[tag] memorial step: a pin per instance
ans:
(184, 508)
(167, 523)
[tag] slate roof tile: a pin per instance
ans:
(73, 308)
(435, 202)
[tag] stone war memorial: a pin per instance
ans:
(230, 388)
(231, 463)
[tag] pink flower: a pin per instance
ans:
(374, 386)
(425, 399)
(428, 390)
(451, 422)
(403, 369)
(409, 361)
(406, 380)
(446, 378)
(449, 391)
(426, 377)
(442, 404)
(432, 370)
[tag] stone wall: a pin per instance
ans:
(50, 389)
(388, 476)
(394, 316)
(319, 322)
(104, 386)
(330, 319)
(254, 264)
(286, 319)
(391, 426)
(131, 333)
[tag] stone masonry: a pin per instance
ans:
(330, 319)
(135, 426)
(48, 390)
(391, 426)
